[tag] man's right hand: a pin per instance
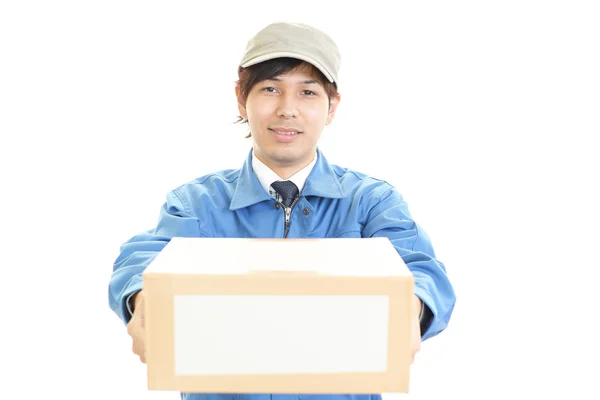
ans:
(135, 327)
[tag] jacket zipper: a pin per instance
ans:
(288, 212)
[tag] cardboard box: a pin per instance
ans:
(278, 316)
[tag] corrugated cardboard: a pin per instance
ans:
(278, 316)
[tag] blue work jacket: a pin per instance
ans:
(335, 203)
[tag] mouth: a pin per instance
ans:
(285, 135)
(285, 131)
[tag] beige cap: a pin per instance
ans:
(294, 40)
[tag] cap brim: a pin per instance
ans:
(271, 56)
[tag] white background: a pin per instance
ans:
(484, 114)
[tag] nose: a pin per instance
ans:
(287, 107)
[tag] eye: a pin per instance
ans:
(309, 92)
(269, 89)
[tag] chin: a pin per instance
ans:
(286, 156)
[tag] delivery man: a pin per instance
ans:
(287, 93)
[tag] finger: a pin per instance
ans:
(141, 354)
(136, 348)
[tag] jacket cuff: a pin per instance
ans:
(427, 314)
(127, 307)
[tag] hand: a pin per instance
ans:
(136, 329)
(416, 327)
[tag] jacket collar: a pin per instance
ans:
(322, 182)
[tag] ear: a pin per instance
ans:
(333, 104)
(241, 103)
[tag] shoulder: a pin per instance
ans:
(216, 186)
(371, 194)
(223, 177)
(354, 182)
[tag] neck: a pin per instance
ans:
(284, 171)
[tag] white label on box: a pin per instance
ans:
(271, 334)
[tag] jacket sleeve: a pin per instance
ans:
(391, 218)
(137, 253)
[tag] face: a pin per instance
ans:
(286, 116)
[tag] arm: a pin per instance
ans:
(137, 253)
(391, 218)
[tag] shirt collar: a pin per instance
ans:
(266, 176)
(321, 181)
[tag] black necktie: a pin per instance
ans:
(287, 190)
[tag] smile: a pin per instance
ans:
(285, 132)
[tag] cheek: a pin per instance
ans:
(317, 115)
(257, 112)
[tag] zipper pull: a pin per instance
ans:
(288, 211)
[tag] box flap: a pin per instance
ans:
(226, 256)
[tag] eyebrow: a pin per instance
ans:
(305, 82)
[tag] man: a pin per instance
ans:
(287, 93)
